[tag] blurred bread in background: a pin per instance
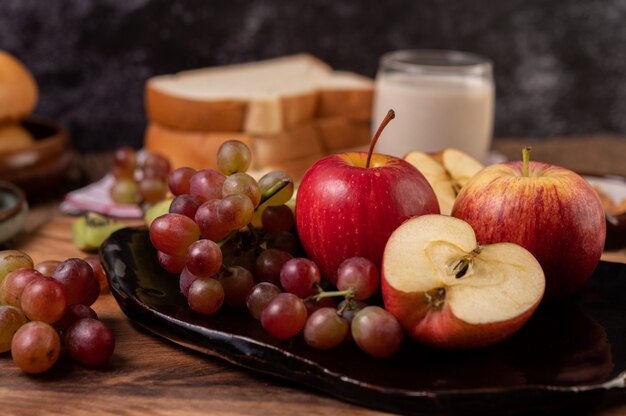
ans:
(288, 108)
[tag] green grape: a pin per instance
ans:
(12, 260)
(244, 184)
(233, 156)
(11, 319)
(125, 191)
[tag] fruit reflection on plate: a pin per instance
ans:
(567, 356)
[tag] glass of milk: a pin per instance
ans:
(441, 99)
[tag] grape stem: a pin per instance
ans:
(348, 294)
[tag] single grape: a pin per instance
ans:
(270, 182)
(260, 295)
(284, 316)
(185, 281)
(173, 233)
(206, 295)
(233, 156)
(11, 319)
(300, 276)
(124, 162)
(98, 271)
(44, 299)
(203, 258)
(155, 165)
(237, 283)
(209, 222)
(285, 241)
(235, 211)
(80, 282)
(325, 329)
(278, 218)
(47, 267)
(178, 180)
(12, 260)
(13, 285)
(359, 274)
(269, 264)
(206, 184)
(376, 331)
(75, 313)
(244, 184)
(89, 341)
(35, 347)
(125, 191)
(152, 190)
(185, 204)
(172, 264)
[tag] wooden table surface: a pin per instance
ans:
(148, 375)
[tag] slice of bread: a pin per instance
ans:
(266, 97)
(18, 89)
(199, 149)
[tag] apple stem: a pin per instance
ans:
(390, 116)
(526, 160)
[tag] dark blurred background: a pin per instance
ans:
(560, 66)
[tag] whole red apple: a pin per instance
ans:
(348, 205)
(549, 210)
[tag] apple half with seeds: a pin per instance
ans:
(449, 292)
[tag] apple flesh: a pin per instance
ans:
(446, 171)
(449, 292)
(345, 209)
(551, 211)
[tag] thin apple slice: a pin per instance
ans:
(460, 166)
(449, 292)
(437, 177)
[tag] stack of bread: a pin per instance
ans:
(18, 97)
(289, 110)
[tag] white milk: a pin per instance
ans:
(434, 111)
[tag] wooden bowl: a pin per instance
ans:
(42, 165)
(13, 209)
(50, 141)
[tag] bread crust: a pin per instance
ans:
(326, 95)
(194, 115)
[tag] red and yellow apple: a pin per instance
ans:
(347, 205)
(449, 292)
(549, 210)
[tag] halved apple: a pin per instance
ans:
(446, 171)
(449, 292)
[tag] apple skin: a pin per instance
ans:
(345, 210)
(553, 213)
(440, 328)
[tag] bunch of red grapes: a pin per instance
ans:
(138, 177)
(47, 306)
(232, 240)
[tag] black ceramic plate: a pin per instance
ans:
(568, 356)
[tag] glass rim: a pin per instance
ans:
(435, 60)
